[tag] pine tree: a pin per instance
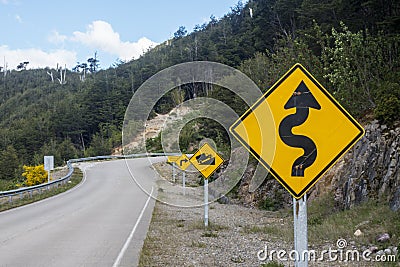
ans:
(8, 163)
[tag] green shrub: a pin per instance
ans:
(388, 109)
(154, 144)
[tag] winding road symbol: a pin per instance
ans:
(182, 161)
(302, 99)
(297, 130)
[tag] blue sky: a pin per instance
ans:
(66, 32)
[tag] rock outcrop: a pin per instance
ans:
(371, 169)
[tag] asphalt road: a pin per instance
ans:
(101, 222)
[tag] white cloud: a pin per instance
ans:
(55, 37)
(18, 18)
(100, 35)
(37, 58)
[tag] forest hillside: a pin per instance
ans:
(351, 47)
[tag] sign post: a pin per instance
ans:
(206, 202)
(172, 159)
(173, 172)
(297, 131)
(300, 231)
(184, 182)
(48, 165)
(183, 163)
(206, 161)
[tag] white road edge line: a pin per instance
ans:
(129, 239)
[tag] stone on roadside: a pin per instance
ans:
(358, 233)
(388, 251)
(383, 237)
(373, 249)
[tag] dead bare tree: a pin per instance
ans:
(51, 75)
(62, 80)
(5, 67)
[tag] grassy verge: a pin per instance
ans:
(75, 179)
(6, 185)
(327, 224)
(151, 243)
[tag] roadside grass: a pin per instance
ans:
(159, 234)
(276, 231)
(199, 225)
(76, 178)
(152, 243)
(150, 246)
(6, 185)
(272, 264)
(198, 244)
(328, 224)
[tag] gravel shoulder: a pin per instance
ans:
(235, 236)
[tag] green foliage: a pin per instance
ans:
(8, 163)
(61, 151)
(99, 146)
(358, 68)
(154, 144)
(388, 110)
(328, 222)
(388, 104)
(272, 203)
(6, 185)
(67, 150)
(189, 136)
(104, 141)
(266, 69)
(355, 62)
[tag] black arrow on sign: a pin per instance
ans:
(302, 99)
(183, 160)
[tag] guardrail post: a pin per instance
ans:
(30, 193)
(10, 199)
(21, 195)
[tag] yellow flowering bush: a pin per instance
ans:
(34, 175)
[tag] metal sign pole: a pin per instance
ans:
(300, 231)
(173, 172)
(206, 202)
(184, 182)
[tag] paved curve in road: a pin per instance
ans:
(101, 222)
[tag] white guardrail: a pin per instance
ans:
(21, 192)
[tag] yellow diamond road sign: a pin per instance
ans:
(183, 162)
(206, 160)
(172, 159)
(297, 130)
